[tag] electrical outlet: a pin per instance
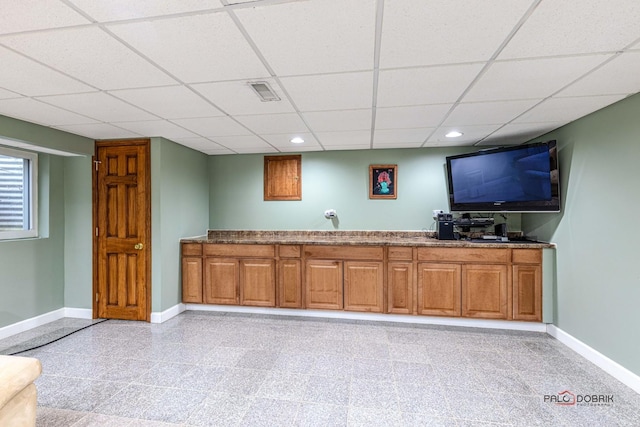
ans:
(436, 212)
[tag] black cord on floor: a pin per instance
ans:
(57, 339)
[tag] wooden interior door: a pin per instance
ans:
(122, 219)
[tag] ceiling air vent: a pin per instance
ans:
(264, 91)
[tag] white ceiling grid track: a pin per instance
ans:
(349, 74)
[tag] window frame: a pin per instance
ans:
(31, 176)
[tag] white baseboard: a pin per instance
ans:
(78, 313)
(614, 369)
(167, 314)
(34, 322)
(375, 317)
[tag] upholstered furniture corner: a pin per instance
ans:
(18, 397)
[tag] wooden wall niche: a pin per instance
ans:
(283, 177)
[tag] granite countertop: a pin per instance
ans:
(339, 237)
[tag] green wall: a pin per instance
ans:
(78, 225)
(334, 180)
(598, 281)
(180, 208)
(32, 270)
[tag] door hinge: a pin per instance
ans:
(96, 231)
(97, 296)
(96, 162)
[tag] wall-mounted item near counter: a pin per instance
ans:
(283, 177)
(383, 181)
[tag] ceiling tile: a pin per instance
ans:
(201, 48)
(99, 106)
(487, 113)
(29, 15)
(390, 136)
(576, 26)
(348, 91)
(38, 112)
(619, 76)
(273, 123)
(529, 79)
(346, 138)
(315, 36)
(472, 134)
(324, 121)
(202, 144)
(213, 126)
(29, 78)
(422, 86)
(411, 117)
(238, 97)
(348, 147)
(243, 142)
(156, 128)
(515, 134)
(565, 110)
(171, 102)
(98, 131)
(7, 94)
(284, 140)
(113, 10)
(389, 144)
(427, 32)
(101, 62)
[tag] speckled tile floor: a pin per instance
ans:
(216, 369)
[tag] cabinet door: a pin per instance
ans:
(439, 289)
(221, 281)
(364, 286)
(323, 284)
(484, 291)
(257, 282)
(400, 287)
(191, 280)
(527, 292)
(289, 283)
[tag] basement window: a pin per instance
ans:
(18, 194)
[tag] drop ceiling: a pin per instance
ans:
(350, 74)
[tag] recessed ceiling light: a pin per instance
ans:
(454, 134)
(297, 140)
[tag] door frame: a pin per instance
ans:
(94, 202)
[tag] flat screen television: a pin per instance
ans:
(521, 178)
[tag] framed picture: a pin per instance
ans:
(383, 181)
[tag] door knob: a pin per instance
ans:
(139, 246)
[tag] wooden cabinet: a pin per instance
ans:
(364, 286)
(290, 283)
(439, 288)
(527, 284)
(283, 177)
(400, 287)
(191, 280)
(323, 284)
(257, 282)
(192, 273)
(488, 283)
(484, 291)
(221, 277)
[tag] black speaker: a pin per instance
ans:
(445, 230)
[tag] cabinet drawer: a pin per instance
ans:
(373, 253)
(464, 255)
(289, 251)
(192, 249)
(400, 253)
(527, 256)
(262, 251)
